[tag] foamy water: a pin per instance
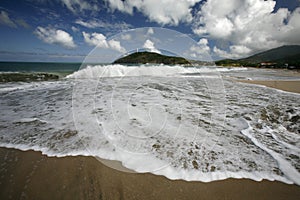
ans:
(183, 123)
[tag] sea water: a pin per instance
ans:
(191, 123)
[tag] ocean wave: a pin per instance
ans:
(159, 124)
(144, 70)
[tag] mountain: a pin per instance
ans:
(150, 57)
(279, 57)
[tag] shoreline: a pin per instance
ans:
(31, 175)
(285, 85)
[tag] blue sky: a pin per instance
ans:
(68, 30)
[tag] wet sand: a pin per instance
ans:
(289, 86)
(31, 175)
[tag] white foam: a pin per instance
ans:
(28, 120)
(290, 172)
(143, 70)
(125, 119)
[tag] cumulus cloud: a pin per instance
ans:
(95, 39)
(99, 40)
(163, 12)
(116, 45)
(5, 20)
(77, 6)
(221, 53)
(149, 45)
(55, 36)
(201, 50)
(247, 26)
(235, 51)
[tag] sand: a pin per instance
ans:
(289, 86)
(31, 175)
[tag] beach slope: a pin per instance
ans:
(31, 175)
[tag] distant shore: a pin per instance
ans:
(31, 175)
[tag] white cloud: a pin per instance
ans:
(99, 40)
(5, 20)
(126, 37)
(149, 45)
(77, 6)
(13, 23)
(163, 12)
(247, 26)
(235, 51)
(95, 23)
(239, 50)
(221, 53)
(89, 24)
(116, 46)
(74, 29)
(95, 39)
(55, 36)
(150, 31)
(201, 50)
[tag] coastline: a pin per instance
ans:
(31, 175)
(285, 85)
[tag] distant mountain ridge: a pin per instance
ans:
(284, 56)
(150, 57)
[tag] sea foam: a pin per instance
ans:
(167, 120)
(118, 70)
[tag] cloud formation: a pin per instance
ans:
(150, 31)
(149, 45)
(169, 12)
(22, 23)
(5, 20)
(78, 6)
(13, 23)
(126, 37)
(247, 26)
(201, 49)
(95, 23)
(95, 39)
(55, 36)
(99, 40)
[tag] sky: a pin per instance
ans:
(69, 30)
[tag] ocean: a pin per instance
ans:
(195, 123)
(64, 68)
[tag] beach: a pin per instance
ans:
(286, 85)
(223, 161)
(31, 175)
(149, 100)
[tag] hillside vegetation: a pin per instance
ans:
(281, 57)
(150, 57)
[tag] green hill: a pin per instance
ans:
(279, 57)
(149, 57)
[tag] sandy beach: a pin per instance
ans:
(31, 175)
(149, 100)
(289, 86)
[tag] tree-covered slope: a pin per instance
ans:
(278, 57)
(150, 57)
